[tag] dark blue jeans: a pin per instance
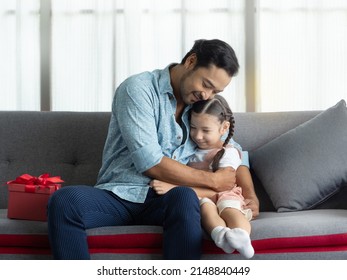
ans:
(73, 209)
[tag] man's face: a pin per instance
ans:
(203, 83)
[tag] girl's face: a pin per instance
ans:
(206, 130)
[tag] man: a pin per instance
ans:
(148, 138)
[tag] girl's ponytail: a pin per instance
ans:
(228, 116)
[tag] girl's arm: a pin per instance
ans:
(161, 188)
(169, 170)
(244, 180)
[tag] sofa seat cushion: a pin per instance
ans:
(272, 233)
(22, 237)
(126, 239)
(302, 231)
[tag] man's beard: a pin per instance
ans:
(183, 94)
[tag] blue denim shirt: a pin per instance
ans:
(142, 130)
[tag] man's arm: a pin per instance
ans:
(171, 171)
(244, 180)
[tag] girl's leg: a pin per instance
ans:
(72, 210)
(240, 229)
(234, 218)
(214, 225)
(210, 218)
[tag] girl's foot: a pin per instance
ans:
(239, 239)
(219, 238)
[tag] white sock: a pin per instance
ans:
(239, 239)
(218, 236)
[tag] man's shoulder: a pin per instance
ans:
(137, 79)
(156, 80)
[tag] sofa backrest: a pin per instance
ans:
(66, 144)
(70, 144)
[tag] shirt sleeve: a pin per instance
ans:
(245, 158)
(244, 154)
(231, 158)
(133, 108)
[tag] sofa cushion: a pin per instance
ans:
(306, 165)
(311, 233)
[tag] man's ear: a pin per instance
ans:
(190, 61)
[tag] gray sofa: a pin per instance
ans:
(70, 144)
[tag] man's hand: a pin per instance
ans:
(224, 179)
(254, 206)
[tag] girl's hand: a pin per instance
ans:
(254, 206)
(161, 187)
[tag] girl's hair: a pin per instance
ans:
(214, 52)
(218, 107)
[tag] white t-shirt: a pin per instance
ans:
(202, 159)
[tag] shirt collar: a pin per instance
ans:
(165, 84)
(165, 80)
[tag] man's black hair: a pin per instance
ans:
(214, 52)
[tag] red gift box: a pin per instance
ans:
(28, 196)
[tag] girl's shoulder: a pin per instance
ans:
(232, 149)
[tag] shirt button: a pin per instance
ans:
(174, 157)
(179, 137)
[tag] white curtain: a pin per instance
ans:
(81, 57)
(19, 55)
(97, 44)
(299, 49)
(302, 54)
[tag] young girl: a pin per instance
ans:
(223, 214)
